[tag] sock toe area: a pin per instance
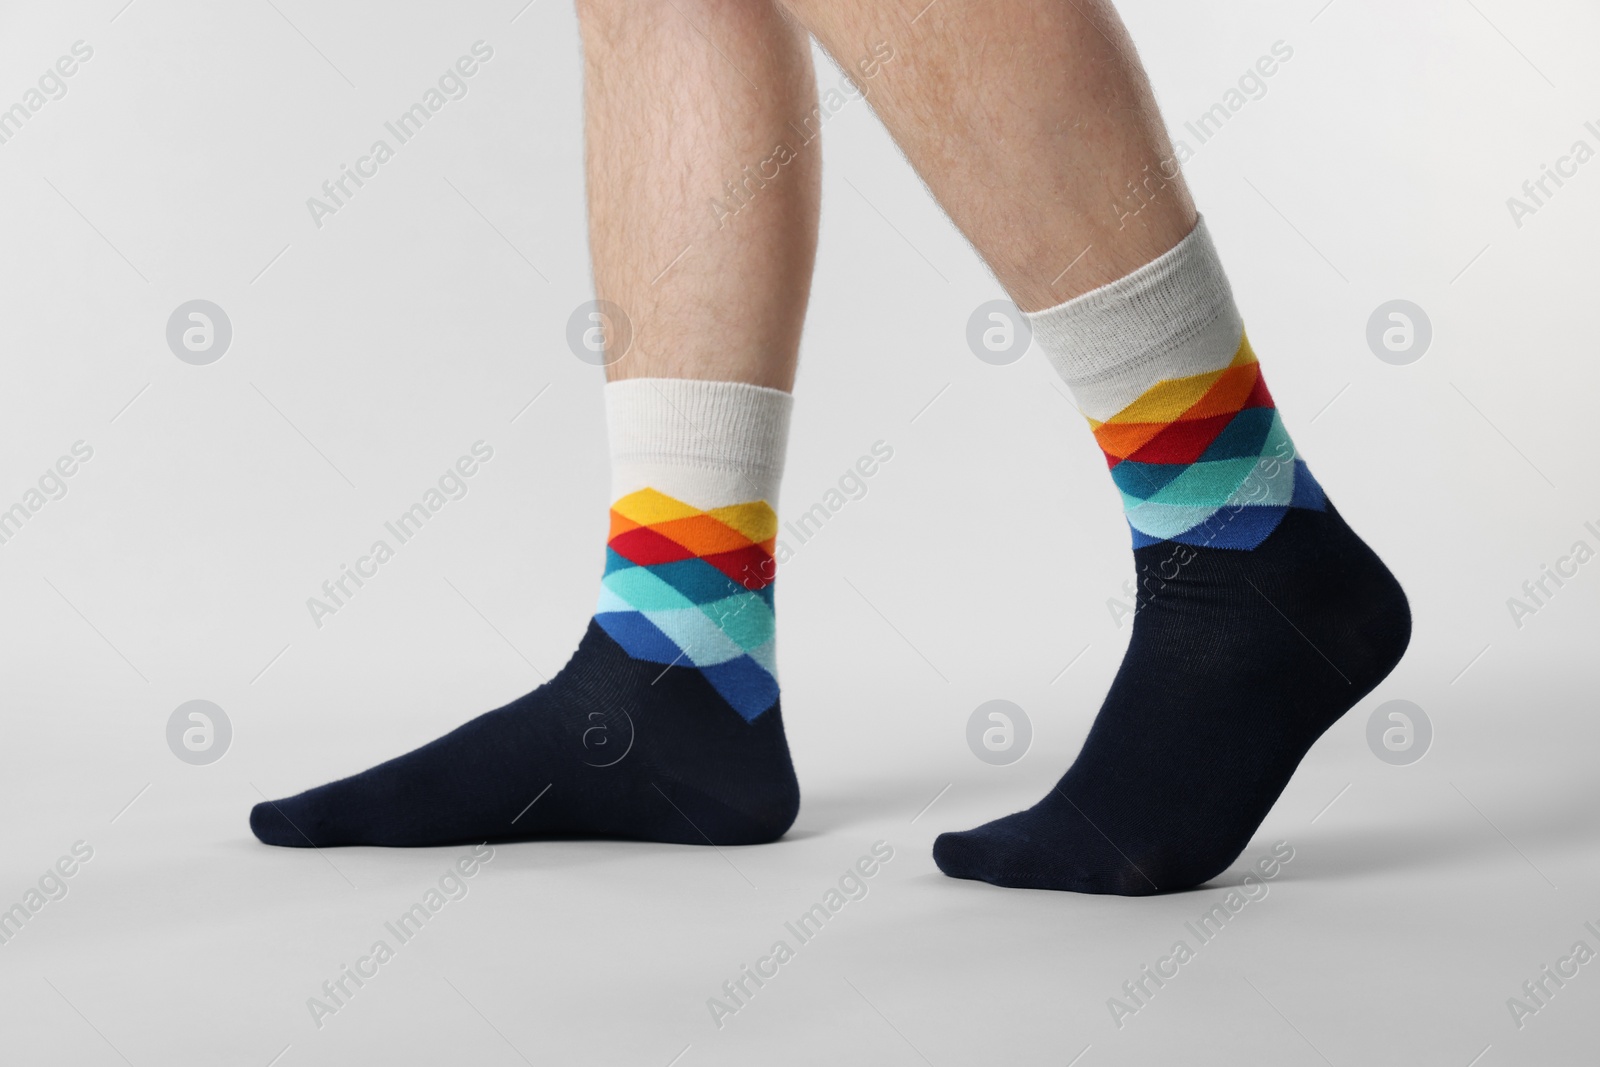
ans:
(959, 855)
(997, 852)
(273, 823)
(1022, 851)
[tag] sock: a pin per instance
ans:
(1261, 617)
(665, 724)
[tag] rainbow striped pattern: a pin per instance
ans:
(1205, 460)
(693, 588)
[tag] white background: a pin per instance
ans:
(370, 353)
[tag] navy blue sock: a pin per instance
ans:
(609, 747)
(1237, 664)
(1261, 618)
(665, 725)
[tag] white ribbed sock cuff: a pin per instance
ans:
(709, 444)
(1171, 318)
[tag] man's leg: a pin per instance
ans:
(710, 260)
(1032, 123)
(1261, 616)
(665, 725)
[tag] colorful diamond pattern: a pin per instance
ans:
(693, 589)
(1205, 460)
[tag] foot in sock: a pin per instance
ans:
(1261, 616)
(665, 725)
